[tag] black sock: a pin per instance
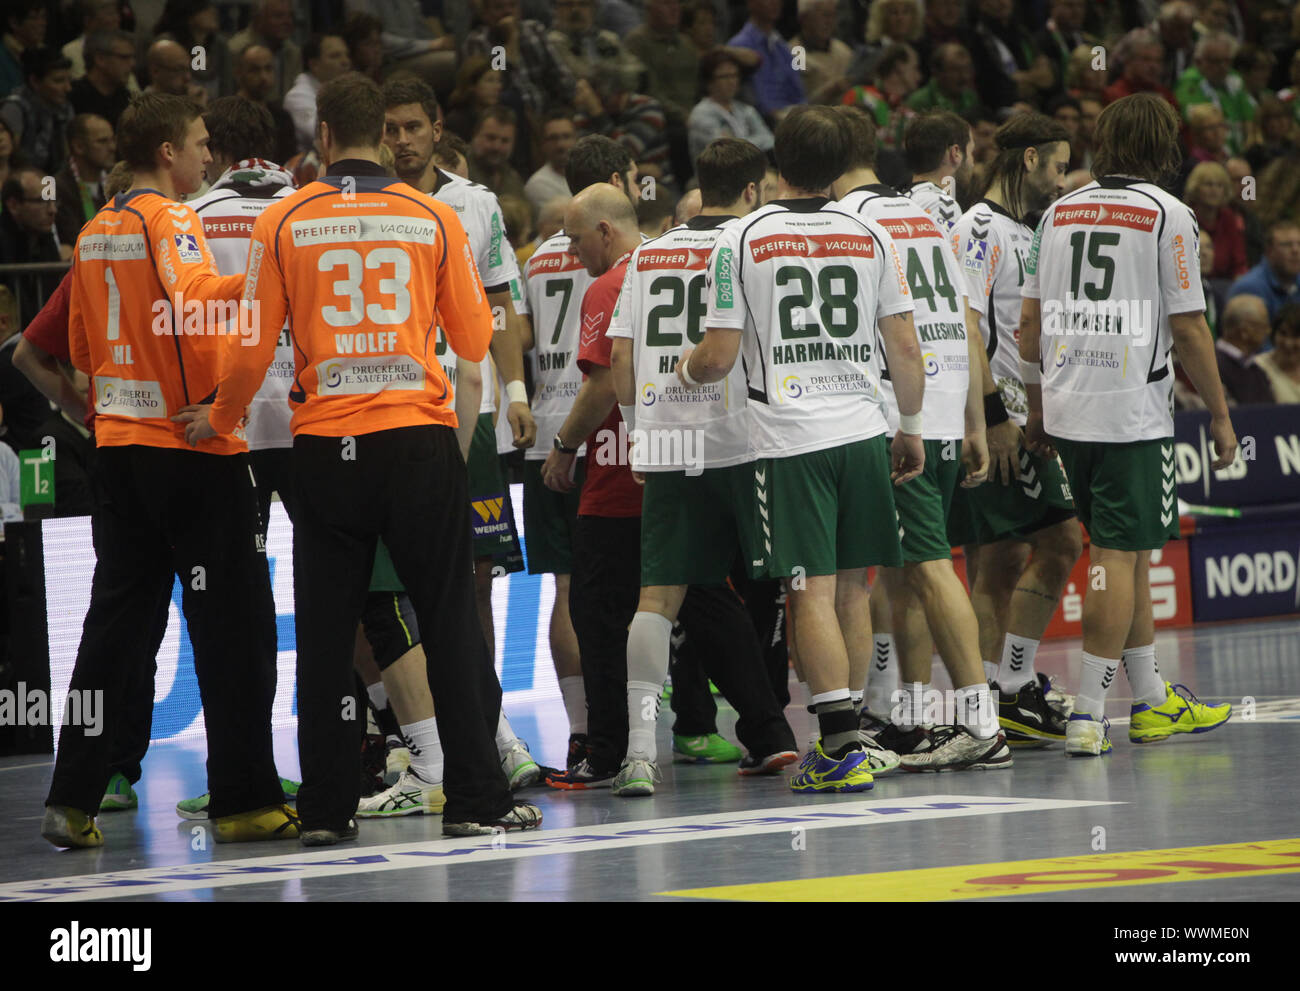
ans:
(839, 727)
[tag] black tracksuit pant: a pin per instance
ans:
(603, 596)
(162, 513)
(408, 486)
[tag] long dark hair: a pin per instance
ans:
(1025, 130)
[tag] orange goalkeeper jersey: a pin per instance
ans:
(145, 321)
(365, 267)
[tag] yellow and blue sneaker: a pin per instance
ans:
(118, 795)
(1087, 737)
(67, 827)
(1181, 712)
(820, 772)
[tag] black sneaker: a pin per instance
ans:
(583, 777)
(577, 751)
(522, 816)
(328, 837)
(1027, 714)
(870, 723)
(913, 741)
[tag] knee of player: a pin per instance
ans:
(1063, 545)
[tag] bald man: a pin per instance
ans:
(1243, 328)
(255, 79)
(688, 206)
(169, 68)
(602, 227)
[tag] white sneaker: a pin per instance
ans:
(955, 748)
(1087, 737)
(399, 759)
(636, 777)
(521, 770)
(410, 795)
(880, 761)
(1057, 699)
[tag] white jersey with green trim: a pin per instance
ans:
(806, 285)
(661, 309)
(555, 282)
(934, 201)
(939, 295)
(992, 249)
(1110, 264)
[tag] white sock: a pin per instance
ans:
(908, 709)
(378, 695)
(856, 699)
(575, 702)
(642, 717)
(1017, 666)
(1144, 676)
(649, 644)
(426, 749)
(505, 735)
(1094, 680)
(991, 672)
(883, 680)
(976, 711)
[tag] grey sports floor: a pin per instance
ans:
(1212, 817)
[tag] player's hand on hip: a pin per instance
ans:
(1225, 441)
(1004, 451)
(907, 457)
(975, 459)
(1036, 438)
(522, 424)
(197, 427)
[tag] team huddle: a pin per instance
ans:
(731, 424)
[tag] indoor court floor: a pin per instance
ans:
(1207, 818)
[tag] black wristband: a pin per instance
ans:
(559, 446)
(995, 411)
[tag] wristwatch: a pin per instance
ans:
(559, 446)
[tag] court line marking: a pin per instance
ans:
(1026, 877)
(349, 860)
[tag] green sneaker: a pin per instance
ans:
(119, 796)
(711, 749)
(197, 808)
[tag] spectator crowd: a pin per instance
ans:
(521, 80)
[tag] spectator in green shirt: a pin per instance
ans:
(1211, 80)
(949, 88)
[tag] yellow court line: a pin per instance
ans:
(1026, 877)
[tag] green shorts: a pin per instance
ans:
(963, 530)
(830, 510)
(548, 523)
(1126, 494)
(1039, 498)
(923, 504)
(490, 511)
(692, 527)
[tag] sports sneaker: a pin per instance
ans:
(197, 808)
(1057, 699)
(636, 777)
(870, 723)
(1181, 712)
(771, 764)
(118, 795)
(577, 751)
(879, 759)
(1086, 737)
(910, 741)
(396, 763)
(275, 822)
(521, 770)
(411, 795)
(68, 827)
(1027, 713)
(581, 778)
(522, 816)
(711, 749)
(955, 748)
(328, 837)
(820, 772)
